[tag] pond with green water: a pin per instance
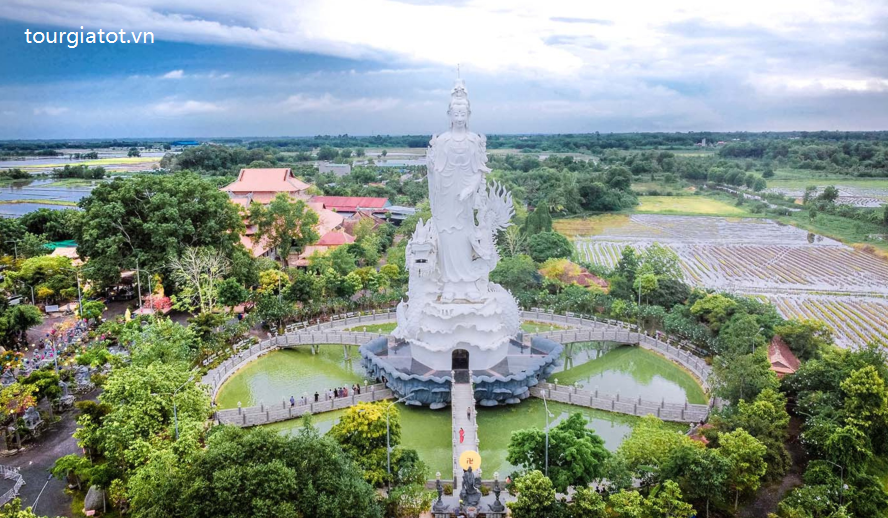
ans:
(292, 372)
(630, 370)
(428, 431)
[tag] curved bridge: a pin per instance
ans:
(580, 329)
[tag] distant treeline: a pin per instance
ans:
(581, 142)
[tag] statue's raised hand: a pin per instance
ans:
(465, 193)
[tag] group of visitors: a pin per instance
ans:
(336, 393)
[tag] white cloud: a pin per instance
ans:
(817, 85)
(172, 108)
(329, 103)
(174, 74)
(50, 110)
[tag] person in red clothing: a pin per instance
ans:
(462, 435)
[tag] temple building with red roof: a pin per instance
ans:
(262, 185)
(783, 361)
(352, 204)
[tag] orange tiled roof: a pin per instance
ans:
(351, 203)
(270, 180)
(327, 219)
(783, 361)
(335, 238)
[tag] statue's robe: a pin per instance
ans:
(453, 166)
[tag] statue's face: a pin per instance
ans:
(459, 115)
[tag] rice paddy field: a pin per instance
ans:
(687, 205)
(803, 274)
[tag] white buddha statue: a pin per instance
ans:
(456, 164)
(452, 305)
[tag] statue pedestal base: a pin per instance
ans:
(481, 330)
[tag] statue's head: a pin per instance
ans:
(459, 109)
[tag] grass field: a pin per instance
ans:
(43, 202)
(848, 231)
(97, 162)
(589, 226)
(687, 206)
(801, 178)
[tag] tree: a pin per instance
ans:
(134, 152)
(141, 401)
(287, 225)
(232, 292)
(651, 444)
(576, 454)
(408, 501)
(362, 434)
(161, 341)
(327, 153)
(747, 457)
(665, 501)
(13, 509)
(517, 274)
(715, 309)
(51, 277)
(736, 377)
(15, 322)
(92, 309)
(628, 504)
(702, 473)
(661, 261)
(807, 338)
(536, 496)
(766, 419)
(866, 398)
(45, 383)
(152, 218)
(587, 503)
(257, 473)
(546, 245)
(830, 194)
(628, 264)
(272, 308)
(513, 241)
(646, 284)
(199, 270)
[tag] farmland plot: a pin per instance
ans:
(803, 275)
(854, 320)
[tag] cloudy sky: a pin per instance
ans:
(306, 67)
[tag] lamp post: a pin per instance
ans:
(175, 409)
(388, 445)
(841, 481)
(753, 338)
(548, 415)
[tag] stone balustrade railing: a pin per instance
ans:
(283, 411)
(678, 412)
(13, 474)
(592, 330)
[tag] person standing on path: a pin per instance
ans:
(469, 414)
(462, 435)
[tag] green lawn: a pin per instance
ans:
(687, 205)
(386, 328)
(43, 202)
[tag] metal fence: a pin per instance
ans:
(283, 411)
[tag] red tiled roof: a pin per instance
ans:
(350, 203)
(335, 238)
(327, 219)
(782, 360)
(265, 181)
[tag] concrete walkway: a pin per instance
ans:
(462, 402)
